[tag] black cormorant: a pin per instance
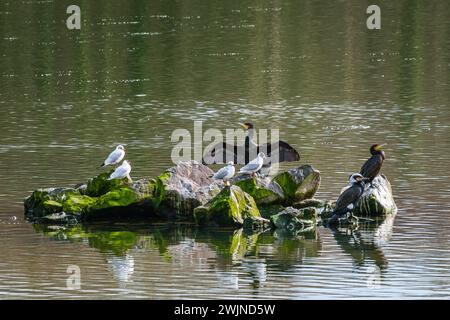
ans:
(250, 149)
(349, 198)
(372, 167)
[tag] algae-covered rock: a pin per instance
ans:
(91, 201)
(320, 205)
(100, 184)
(231, 207)
(262, 190)
(185, 187)
(44, 202)
(298, 183)
(295, 219)
(377, 200)
(294, 223)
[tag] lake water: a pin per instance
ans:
(137, 70)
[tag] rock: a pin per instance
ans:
(290, 222)
(321, 206)
(377, 200)
(185, 187)
(99, 196)
(298, 183)
(262, 190)
(231, 207)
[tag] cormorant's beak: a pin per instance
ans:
(243, 125)
(380, 147)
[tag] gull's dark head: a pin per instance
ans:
(247, 125)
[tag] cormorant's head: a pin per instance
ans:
(247, 125)
(376, 148)
(230, 163)
(356, 177)
(120, 147)
(261, 155)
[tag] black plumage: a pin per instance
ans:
(371, 168)
(243, 154)
(349, 198)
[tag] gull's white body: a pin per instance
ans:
(121, 172)
(115, 157)
(225, 173)
(253, 166)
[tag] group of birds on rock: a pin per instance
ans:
(114, 158)
(357, 183)
(286, 153)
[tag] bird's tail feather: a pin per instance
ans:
(103, 164)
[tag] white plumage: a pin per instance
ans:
(121, 172)
(115, 157)
(225, 173)
(255, 165)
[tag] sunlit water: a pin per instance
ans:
(137, 71)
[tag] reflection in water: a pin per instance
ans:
(122, 268)
(364, 242)
(138, 70)
(237, 257)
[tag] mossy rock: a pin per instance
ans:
(320, 205)
(121, 197)
(78, 204)
(377, 200)
(231, 207)
(68, 204)
(100, 184)
(298, 184)
(44, 202)
(293, 220)
(261, 190)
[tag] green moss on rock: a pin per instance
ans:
(78, 204)
(100, 184)
(230, 207)
(298, 184)
(261, 191)
(121, 197)
(292, 219)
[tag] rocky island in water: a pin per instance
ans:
(187, 192)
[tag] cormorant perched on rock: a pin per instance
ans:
(286, 153)
(372, 167)
(349, 198)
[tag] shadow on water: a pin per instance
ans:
(221, 250)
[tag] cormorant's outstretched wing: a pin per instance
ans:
(286, 153)
(371, 167)
(220, 153)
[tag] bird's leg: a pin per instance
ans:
(129, 179)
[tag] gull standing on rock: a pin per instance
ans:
(254, 166)
(115, 157)
(225, 173)
(122, 172)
